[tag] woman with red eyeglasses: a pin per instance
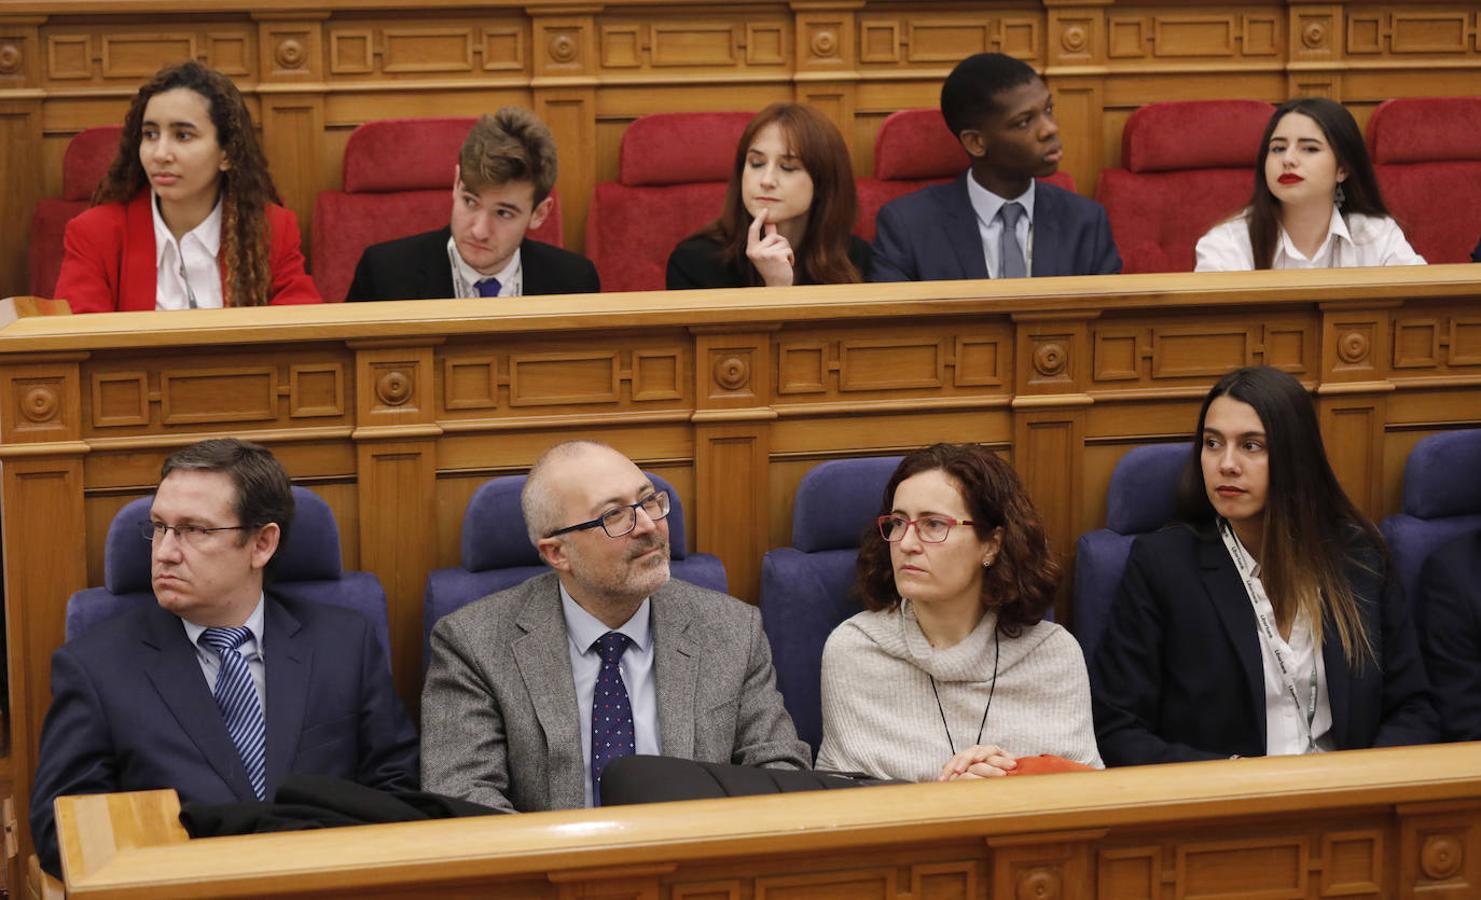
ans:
(952, 671)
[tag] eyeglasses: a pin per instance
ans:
(623, 519)
(194, 535)
(931, 529)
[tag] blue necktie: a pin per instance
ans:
(1010, 252)
(236, 696)
(611, 713)
(488, 287)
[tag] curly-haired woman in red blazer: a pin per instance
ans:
(187, 216)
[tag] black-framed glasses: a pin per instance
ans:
(194, 535)
(623, 519)
(931, 529)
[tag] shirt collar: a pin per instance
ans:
(471, 276)
(586, 629)
(208, 232)
(253, 624)
(1336, 230)
(986, 204)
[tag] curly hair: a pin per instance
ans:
(246, 186)
(1021, 583)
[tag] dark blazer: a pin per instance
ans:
(1476, 254)
(131, 711)
(1449, 611)
(931, 235)
(417, 268)
(696, 263)
(1178, 674)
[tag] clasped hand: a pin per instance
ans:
(978, 761)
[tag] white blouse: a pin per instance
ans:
(1353, 240)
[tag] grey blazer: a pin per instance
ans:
(499, 720)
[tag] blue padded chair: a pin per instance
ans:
(497, 553)
(1142, 498)
(308, 568)
(806, 589)
(1442, 501)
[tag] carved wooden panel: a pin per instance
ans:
(890, 364)
(133, 53)
(316, 390)
(1194, 35)
(1352, 864)
(1440, 851)
(1200, 350)
(857, 883)
(708, 890)
(1464, 344)
(1254, 869)
(943, 881)
(120, 399)
(1129, 873)
(894, 361)
(246, 394)
(650, 372)
(40, 406)
(1403, 32)
(427, 49)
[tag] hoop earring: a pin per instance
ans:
(1340, 196)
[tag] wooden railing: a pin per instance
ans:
(1390, 824)
(396, 412)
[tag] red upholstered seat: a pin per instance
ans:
(1186, 166)
(914, 149)
(1427, 152)
(398, 178)
(83, 165)
(672, 172)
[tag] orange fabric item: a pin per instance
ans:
(1045, 764)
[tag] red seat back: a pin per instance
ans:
(1185, 167)
(398, 178)
(672, 173)
(1427, 151)
(83, 165)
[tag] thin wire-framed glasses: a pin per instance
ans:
(194, 535)
(621, 520)
(931, 529)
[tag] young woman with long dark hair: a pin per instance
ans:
(1316, 202)
(1266, 621)
(788, 212)
(187, 216)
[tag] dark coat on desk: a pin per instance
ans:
(1449, 609)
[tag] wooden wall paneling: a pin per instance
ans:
(1048, 865)
(291, 63)
(1078, 107)
(564, 59)
(21, 154)
(1440, 851)
(1351, 400)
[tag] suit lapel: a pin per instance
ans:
(538, 279)
(287, 663)
(545, 666)
(435, 270)
(1232, 605)
(959, 223)
(675, 670)
(176, 674)
(1339, 679)
(1048, 247)
(140, 275)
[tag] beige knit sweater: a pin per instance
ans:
(880, 716)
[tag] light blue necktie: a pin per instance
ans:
(488, 287)
(236, 696)
(1010, 252)
(612, 732)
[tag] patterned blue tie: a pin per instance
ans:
(611, 713)
(488, 287)
(236, 696)
(1010, 252)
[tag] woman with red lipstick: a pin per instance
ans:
(953, 671)
(1266, 621)
(1316, 202)
(788, 212)
(187, 216)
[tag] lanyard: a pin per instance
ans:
(1256, 591)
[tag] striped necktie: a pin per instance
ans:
(236, 696)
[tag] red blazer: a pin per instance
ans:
(109, 262)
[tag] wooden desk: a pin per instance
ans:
(396, 412)
(1374, 823)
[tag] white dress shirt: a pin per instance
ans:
(251, 651)
(582, 630)
(187, 268)
(990, 227)
(1353, 240)
(465, 277)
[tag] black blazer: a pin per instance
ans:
(696, 263)
(1178, 674)
(1449, 612)
(416, 268)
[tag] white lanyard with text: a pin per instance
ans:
(1256, 591)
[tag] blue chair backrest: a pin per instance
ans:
(1442, 501)
(308, 568)
(1142, 498)
(806, 589)
(497, 553)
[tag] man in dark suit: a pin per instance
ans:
(501, 191)
(995, 221)
(531, 691)
(221, 691)
(1449, 610)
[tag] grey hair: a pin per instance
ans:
(537, 501)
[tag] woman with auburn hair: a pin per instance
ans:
(1267, 620)
(952, 671)
(187, 216)
(789, 211)
(1316, 202)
